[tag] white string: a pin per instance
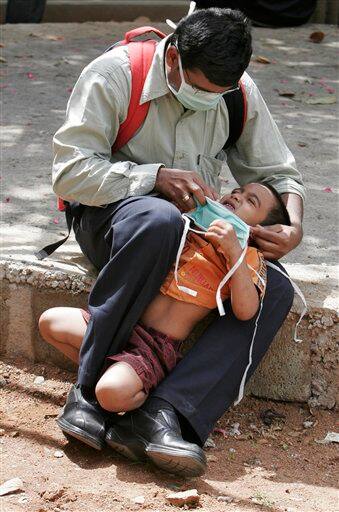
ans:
(243, 380)
(258, 275)
(184, 289)
(299, 292)
(171, 23)
(191, 9)
(222, 283)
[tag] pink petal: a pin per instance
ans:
(30, 76)
(330, 90)
(283, 81)
(327, 189)
(221, 431)
(56, 220)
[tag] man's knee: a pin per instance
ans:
(147, 220)
(161, 216)
(159, 225)
(280, 287)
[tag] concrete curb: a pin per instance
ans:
(66, 11)
(79, 11)
(293, 372)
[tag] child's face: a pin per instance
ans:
(251, 203)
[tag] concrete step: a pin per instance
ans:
(66, 11)
(290, 371)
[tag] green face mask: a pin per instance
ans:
(204, 215)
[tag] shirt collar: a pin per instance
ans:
(155, 83)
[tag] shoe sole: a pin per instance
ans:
(168, 459)
(114, 439)
(70, 430)
(175, 461)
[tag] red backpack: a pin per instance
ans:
(141, 55)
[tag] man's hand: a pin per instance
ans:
(276, 241)
(179, 186)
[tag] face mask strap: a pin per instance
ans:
(258, 275)
(298, 292)
(193, 293)
(181, 71)
(297, 340)
(243, 380)
(222, 283)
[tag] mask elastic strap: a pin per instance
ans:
(298, 292)
(193, 293)
(191, 9)
(224, 281)
(243, 380)
(258, 275)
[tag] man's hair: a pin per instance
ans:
(279, 213)
(216, 41)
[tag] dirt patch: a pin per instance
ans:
(252, 466)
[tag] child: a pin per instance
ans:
(154, 347)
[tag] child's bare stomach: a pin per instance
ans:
(173, 317)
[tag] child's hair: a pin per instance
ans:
(279, 213)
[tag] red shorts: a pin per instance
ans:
(150, 353)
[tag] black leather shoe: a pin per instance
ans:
(140, 435)
(83, 419)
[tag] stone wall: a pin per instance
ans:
(304, 372)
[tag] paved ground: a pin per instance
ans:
(40, 65)
(252, 466)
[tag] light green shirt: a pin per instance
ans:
(84, 169)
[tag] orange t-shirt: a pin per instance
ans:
(202, 267)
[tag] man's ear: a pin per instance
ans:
(172, 58)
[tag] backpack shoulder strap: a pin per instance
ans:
(141, 55)
(236, 103)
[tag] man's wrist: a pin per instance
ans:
(157, 175)
(298, 228)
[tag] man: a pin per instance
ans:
(132, 237)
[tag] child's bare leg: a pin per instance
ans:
(64, 328)
(120, 389)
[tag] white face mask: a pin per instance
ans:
(191, 98)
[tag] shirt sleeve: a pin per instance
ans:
(82, 170)
(257, 267)
(261, 153)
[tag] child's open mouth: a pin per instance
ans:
(229, 206)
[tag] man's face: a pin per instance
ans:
(251, 203)
(193, 77)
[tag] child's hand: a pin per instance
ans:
(223, 234)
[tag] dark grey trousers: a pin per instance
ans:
(133, 243)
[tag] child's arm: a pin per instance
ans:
(244, 295)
